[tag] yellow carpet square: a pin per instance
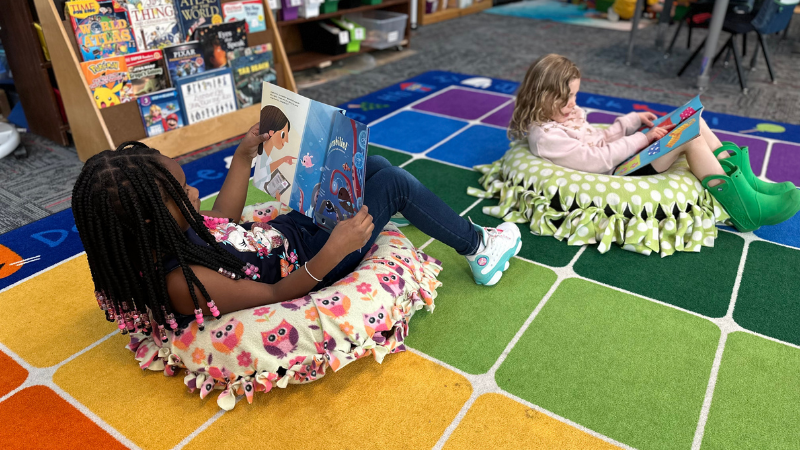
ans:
(407, 401)
(150, 409)
(51, 316)
(505, 423)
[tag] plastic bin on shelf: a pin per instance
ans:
(384, 29)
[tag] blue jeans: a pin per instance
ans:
(387, 191)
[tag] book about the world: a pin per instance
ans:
(154, 23)
(251, 67)
(193, 14)
(101, 29)
(184, 60)
(315, 159)
(147, 72)
(161, 112)
(251, 11)
(686, 121)
(218, 40)
(108, 80)
(207, 95)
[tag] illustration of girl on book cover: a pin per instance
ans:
(274, 122)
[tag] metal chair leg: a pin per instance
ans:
(744, 44)
(725, 47)
(689, 38)
(694, 55)
(738, 59)
(674, 38)
(763, 41)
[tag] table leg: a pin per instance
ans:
(714, 29)
(663, 23)
(637, 13)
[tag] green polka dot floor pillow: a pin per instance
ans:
(663, 213)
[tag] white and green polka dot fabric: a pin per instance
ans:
(526, 184)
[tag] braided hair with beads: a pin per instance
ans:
(120, 206)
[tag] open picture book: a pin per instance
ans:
(686, 120)
(315, 159)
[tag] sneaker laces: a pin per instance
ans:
(490, 246)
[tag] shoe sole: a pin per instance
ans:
(400, 224)
(499, 273)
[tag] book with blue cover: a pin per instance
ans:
(206, 95)
(184, 60)
(194, 14)
(294, 163)
(251, 67)
(161, 112)
(101, 29)
(686, 123)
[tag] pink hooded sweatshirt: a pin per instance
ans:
(577, 145)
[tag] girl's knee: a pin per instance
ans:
(377, 162)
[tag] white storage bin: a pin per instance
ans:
(384, 29)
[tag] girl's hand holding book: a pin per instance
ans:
(658, 133)
(351, 234)
(647, 118)
(248, 148)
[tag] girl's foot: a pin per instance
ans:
(399, 221)
(497, 247)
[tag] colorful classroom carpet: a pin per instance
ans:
(572, 349)
(564, 12)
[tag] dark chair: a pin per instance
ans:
(773, 17)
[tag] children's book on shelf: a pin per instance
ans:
(218, 40)
(686, 121)
(194, 14)
(101, 29)
(251, 11)
(184, 60)
(251, 67)
(147, 72)
(208, 94)
(154, 23)
(316, 156)
(108, 80)
(161, 111)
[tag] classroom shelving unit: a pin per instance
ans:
(301, 59)
(94, 130)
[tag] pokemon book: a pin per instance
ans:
(251, 67)
(293, 165)
(184, 60)
(686, 120)
(147, 72)
(251, 11)
(161, 112)
(154, 23)
(108, 80)
(218, 40)
(194, 14)
(206, 95)
(101, 29)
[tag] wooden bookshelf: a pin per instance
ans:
(94, 130)
(301, 59)
(450, 12)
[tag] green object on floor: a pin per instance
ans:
(740, 157)
(767, 301)
(623, 366)
(756, 396)
(448, 182)
(603, 5)
(472, 325)
(254, 195)
(748, 209)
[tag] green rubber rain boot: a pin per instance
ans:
(740, 157)
(749, 209)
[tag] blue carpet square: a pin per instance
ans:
(413, 132)
(478, 144)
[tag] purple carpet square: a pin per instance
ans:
(757, 148)
(412, 131)
(784, 163)
(477, 144)
(601, 117)
(501, 117)
(462, 103)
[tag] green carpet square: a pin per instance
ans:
(542, 249)
(472, 324)
(396, 158)
(768, 295)
(628, 368)
(700, 282)
(448, 182)
(254, 195)
(756, 398)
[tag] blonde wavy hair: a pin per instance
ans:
(544, 91)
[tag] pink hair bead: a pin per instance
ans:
(198, 315)
(213, 307)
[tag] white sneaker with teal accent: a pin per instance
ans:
(399, 221)
(498, 246)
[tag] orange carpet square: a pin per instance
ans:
(12, 376)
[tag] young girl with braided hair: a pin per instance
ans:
(139, 223)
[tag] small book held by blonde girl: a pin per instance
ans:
(546, 114)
